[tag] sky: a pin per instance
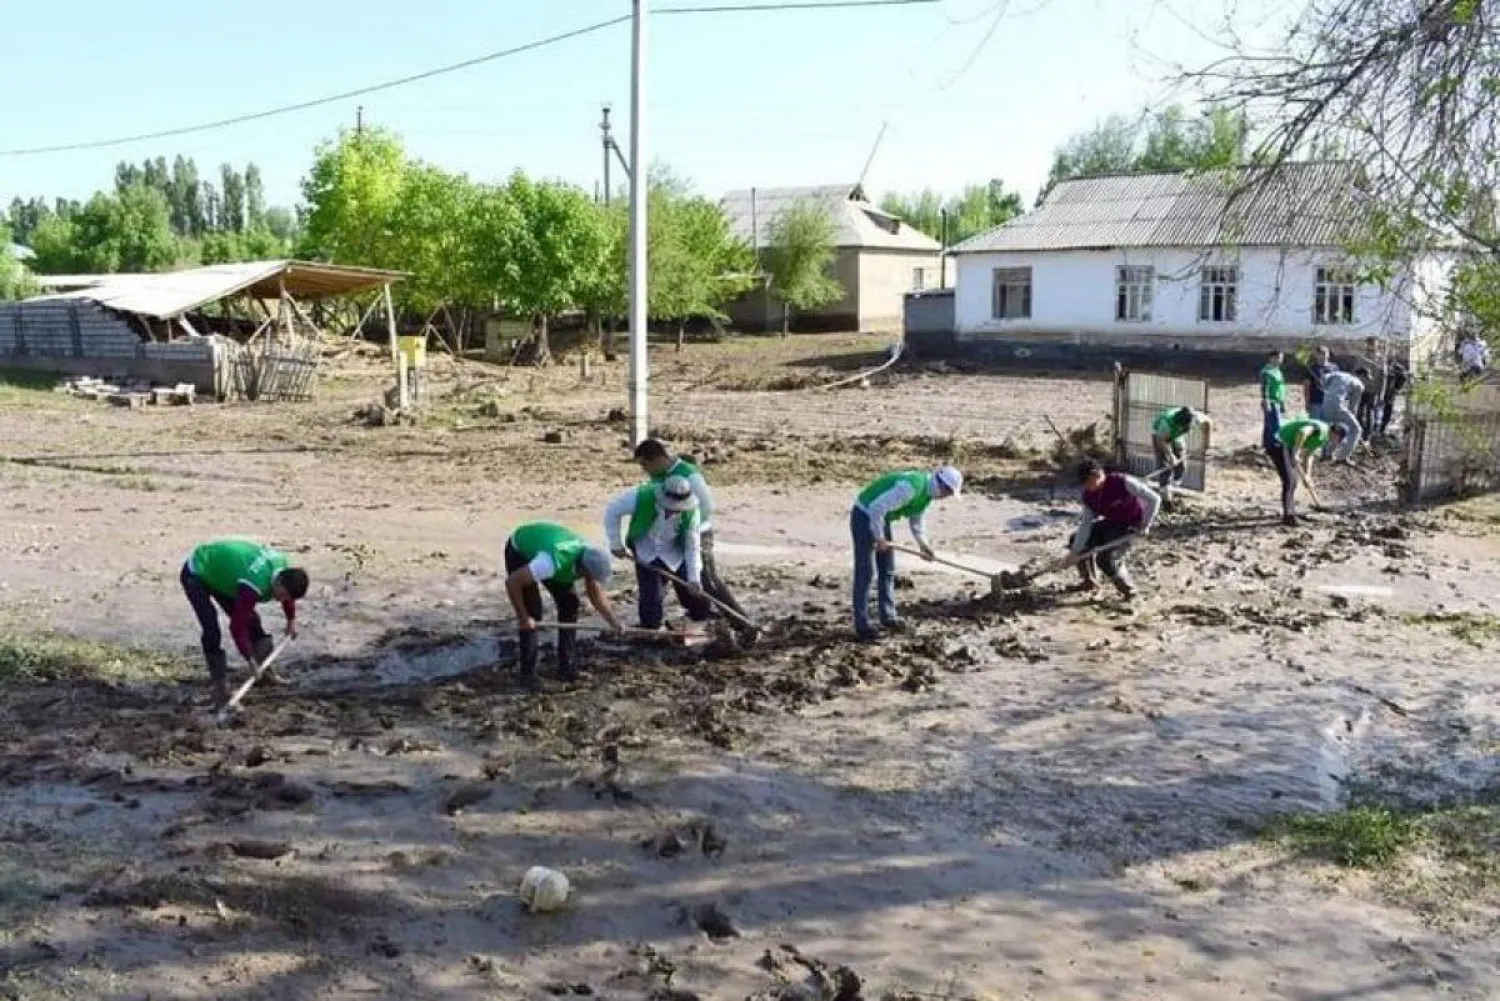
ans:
(733, 100)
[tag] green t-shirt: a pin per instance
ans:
(563, 545)
(1272, 384)
(921, 496)
(1173, 424)
(1291, 429)
(225, 564)
(643, 515)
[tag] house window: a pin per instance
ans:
(1218, 294)
(1133, 287)
(1333, 296)
(1010, 294)
(918, 279)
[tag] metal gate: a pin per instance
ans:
(1140, 397)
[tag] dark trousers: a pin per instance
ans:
(566, 600)
(713, 584)
(1286, 471)
(1171, 459)
(1393, 387)
(871, 567)
(1270, 428)
(206, 605)
(652, 588)
(1368, 412)
(1111, 561)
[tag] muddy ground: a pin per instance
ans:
(1050, 797)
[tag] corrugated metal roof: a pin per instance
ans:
(173, 293)
(1294, 205)
(859, 224)
(21, 253)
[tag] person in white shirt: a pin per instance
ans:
(663, 532)
(1474, 357)
(1341, 394)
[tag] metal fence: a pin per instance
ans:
(284, 373)
(1451, 454)
(1140, 397)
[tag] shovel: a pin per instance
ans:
(994, 579)
(688, 639)
(711, 599)
(1020, 578)
(232, 705)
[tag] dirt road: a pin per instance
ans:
(1053, 797)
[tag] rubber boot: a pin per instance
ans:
(1122, 582)
(529, 643)
(1088, 579)
(218, 673)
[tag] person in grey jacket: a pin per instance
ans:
(1341, 394)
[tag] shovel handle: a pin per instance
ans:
(592, 627)
(260, 670)
(711, 599)
(1071, 559)
(945, 562)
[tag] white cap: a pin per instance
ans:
(676, 494)
(951, 479)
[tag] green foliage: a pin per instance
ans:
(1364, 837)
(977, 209)
(15, 280)
(352, 193)
(127, 231)
(436, 221)
(799, 258)
(1171, 139)
(40, 657)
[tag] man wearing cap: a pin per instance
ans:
(664, 533)
(1168, 433)
(658, 463)
(543, 554)
(904, 494)
(237, 575)
(1115, 506)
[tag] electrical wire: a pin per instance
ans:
(780, 5)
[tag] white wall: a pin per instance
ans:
(1073, 292)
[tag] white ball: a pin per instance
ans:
(544, 889)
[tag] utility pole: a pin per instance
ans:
(359, 120)
(608, 142)
(638, 291)
(943, 253)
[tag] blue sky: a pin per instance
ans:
(734, 99)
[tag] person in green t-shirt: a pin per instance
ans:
(1297, 443)
(237, 575)
(1272, 398)
(905, 494)
(1168, 436)
(544, 554)
(664, 534)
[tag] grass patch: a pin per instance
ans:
(59, 657)
(1474, 628)
(1362, 837)
(22, 386)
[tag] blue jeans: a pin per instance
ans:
(1270, 428)
(868, 563)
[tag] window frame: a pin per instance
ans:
(919, 279)
(1135, 284)
(1219, 285)
(1335, 287)
(1002, 282)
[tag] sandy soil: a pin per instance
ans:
(1049, 797)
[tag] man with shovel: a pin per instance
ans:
(1297, 444)
(542, 554)
(664, 534)
(658, 463)
(905, 494)
(237, 575)
(1115, 507)
(1168, 439)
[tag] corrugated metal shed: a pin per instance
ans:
(1294, 205)
(170, 294)
(860, 225)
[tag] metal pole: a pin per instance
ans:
(604, 134)
(638, 292)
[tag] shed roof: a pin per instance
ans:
(858, 224)
(20, 252)
(172, 293)
(1291, 205)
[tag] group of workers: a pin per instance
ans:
(664, 526)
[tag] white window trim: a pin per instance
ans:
(1144, 285)
(1234, 299)
(1030, 293)
(1351, 286)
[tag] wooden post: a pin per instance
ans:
(403, 385)
(390, 320)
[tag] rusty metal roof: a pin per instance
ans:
(1293, 205)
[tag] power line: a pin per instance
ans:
(782, 5)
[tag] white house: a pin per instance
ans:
(1224, 262)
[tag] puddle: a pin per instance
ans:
(1336, 749)
(401, 667)
(1358, 590)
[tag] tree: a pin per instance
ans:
(185, 198)
(282, 223)
(128, 231)
(255, 197)
(233, 218)
(433, 223)
(15, 282)
(53, 241)
(799, 257)
(552, 242)
(1170, 139)
(977, 209)
(351, 194)
(25, 216)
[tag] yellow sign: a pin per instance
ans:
(415, 350)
